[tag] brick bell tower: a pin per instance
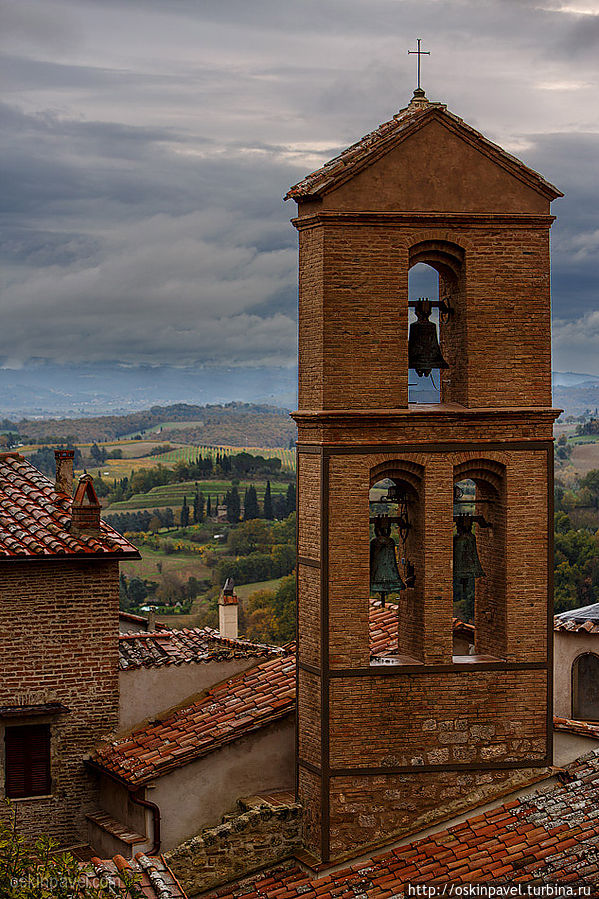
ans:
(389, 745)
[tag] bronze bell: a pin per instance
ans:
(424, 352)
(466, 564)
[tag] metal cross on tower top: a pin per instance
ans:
(419, 53)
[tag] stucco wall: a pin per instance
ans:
(145, 692)
(568, 747)
(567, 647)
(199, 794)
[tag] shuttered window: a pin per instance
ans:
(28, 761)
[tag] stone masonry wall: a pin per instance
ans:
(255, 839)
(59, 627)
(368, 811)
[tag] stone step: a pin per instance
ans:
(259, 800)
(110, 837)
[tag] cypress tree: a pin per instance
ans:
(184, 513)
(233, 504)
(290, 499)
(209, 507)
(198, 507)
(268, 511)
(250, 504)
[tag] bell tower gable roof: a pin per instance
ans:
(425, 159)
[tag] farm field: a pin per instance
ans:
(183, 564)
(585, 457)
(172, 494)
(244, 591)
(134, 458)
(190, 453)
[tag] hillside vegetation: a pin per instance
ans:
(237, 424)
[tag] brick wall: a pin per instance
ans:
(59, 626)
(433, 197)
(354, 323)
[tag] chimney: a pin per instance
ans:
(86, 508)
(228, 607)
(151, 621)
(64, 471)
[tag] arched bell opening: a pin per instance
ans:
(479, 547)
(396, 563)
(437, 350)
(585, 687)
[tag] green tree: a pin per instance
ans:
(208, 507)
(233, 504)
(138, 591)
(184, 513)
(198, 507)
(268, 511)
(290, 499)
(590, 485)
(270, 616)
(250, 504)
(250, 537)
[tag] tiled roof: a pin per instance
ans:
(153, 876)
(383, 628)
(382, 139)
(140, 620)
(579, 728)
(549, 837)
(35, 519)
(585, 619)
(174, 647)
(226, 712)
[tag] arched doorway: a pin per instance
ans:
(585, 687)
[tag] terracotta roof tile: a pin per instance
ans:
(551, 836)
(152, 874)
(175, 647)
(241, 704)
(585, 618)
(384, 628)
(383, 138)
(580, 728)
(35, 519)
(226, 712)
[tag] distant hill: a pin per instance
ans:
(236, 424)
(575, 392)
(49, 390)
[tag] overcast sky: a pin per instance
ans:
(147, 145)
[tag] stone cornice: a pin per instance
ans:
(418, 413)
(436, 219)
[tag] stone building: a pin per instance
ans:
(576, 664)
(59, 600)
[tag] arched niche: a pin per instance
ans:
(487, 503)
(585, 687)
(449, 261)
(407, 478)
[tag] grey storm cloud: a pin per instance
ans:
(146, 148)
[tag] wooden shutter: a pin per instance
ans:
(28, 760)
